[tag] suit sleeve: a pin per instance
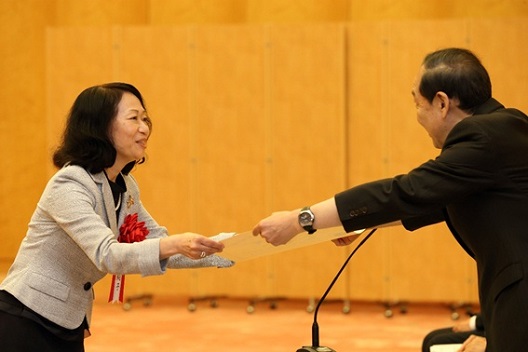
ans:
(479, 323)
(416, 222)
(418, 198)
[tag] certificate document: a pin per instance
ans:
(246, 246)
(446, 348)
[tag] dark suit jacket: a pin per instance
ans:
(479, 186)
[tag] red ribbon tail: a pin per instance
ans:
(122, 289)
(117, 289)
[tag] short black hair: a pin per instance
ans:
(86, 138)
(458, 73)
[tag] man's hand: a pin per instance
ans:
(279, 228)
(474, 343)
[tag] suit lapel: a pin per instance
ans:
(108, 200)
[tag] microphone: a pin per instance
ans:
(315, 327)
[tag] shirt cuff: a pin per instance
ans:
(473, 322)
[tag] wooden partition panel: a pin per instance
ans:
(229, 146)
(21, 128)
(367, 137)
(307, 143)
(247, 109)
(501, 45)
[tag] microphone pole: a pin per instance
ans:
(315, 327)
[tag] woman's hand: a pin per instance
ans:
(345, 241)
(191, 245)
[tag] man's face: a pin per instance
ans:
(428, 114)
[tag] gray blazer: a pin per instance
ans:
(71, 243)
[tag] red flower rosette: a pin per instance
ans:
(130, 231)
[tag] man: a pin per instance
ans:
(478, 185)
(468, 333)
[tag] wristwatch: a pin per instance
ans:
(306, 220)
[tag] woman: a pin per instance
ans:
(87, 208)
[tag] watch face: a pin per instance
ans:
(305, 218)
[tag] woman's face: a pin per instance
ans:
(130, 130)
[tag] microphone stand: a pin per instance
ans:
(315, 327)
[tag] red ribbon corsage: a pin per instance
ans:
(130, 231)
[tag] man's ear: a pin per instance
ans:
(442, 102)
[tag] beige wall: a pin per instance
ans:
(228, 85)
